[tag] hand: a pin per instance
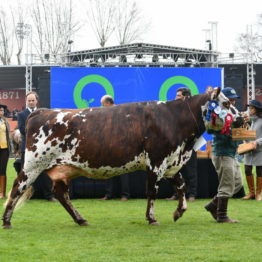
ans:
(246, 118)
(254, 144)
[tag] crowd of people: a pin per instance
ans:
(224, 158)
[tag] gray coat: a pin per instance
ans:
(254, 158)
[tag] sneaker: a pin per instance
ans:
(105, 198)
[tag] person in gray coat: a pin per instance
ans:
(254, 158)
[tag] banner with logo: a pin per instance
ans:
(83, 87)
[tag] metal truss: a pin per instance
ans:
(250, 82)
(28, 78)
(141, 54)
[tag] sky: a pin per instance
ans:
(181, 23)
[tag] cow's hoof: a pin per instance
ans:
(84, 224)
(7, 226)
(155, 223)
(177, 215)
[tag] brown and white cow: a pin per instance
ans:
(103, 142)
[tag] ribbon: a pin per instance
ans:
(218, 110)
(214, 117)
(226, 128)
(223, 114)
(211, 106)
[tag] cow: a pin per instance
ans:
(104, 142)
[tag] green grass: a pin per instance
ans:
(43, 231)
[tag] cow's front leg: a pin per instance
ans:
(180, 187)
(151, 191)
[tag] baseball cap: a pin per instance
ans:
(230, 92)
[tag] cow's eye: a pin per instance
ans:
(226, 104)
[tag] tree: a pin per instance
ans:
(22, 30)
(129, 22)
(6, 36)
(54, 27)
(250, 42)
(100, 15)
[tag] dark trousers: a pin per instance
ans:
(42, 185)
(189, 173)
(4, 155)
(124, 184)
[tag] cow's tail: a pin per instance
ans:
(25, 196)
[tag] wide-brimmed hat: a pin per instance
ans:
(230, 92)
(255, 104)
(3, 106)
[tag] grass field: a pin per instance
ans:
(43, 231)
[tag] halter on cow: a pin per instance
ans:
(103, 142)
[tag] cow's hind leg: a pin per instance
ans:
(61, 193)
(151, 196)
(20, 191)
(180, 187)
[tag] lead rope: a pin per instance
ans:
(193, 117)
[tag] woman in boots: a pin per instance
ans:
(254, 158)
(5, 148)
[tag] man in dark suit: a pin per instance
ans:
(43, 183)
(189, 170)
(108, 101)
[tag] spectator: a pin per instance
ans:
(254, 158)
(108, 101)
(189, 170)
(227, 167)
(43, 183)
(14, 114)
(5, 149)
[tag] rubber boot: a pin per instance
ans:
(212, 207)
(2, 186)
(259, 188)
(222, 211)
(251, 193)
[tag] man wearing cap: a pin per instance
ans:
(227, 167)
(254, 158)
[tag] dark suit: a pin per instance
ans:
(43, 184)
(124, 185)
(189, 173)
(22, 116)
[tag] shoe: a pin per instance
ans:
(172, 198)
(191, 199)
(251, 193)
(222, 217)
(52, 199)
(124, 199)
(105, 198)
(212, 207)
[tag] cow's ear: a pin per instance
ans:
(216, 92)
(209, 90)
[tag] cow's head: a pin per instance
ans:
(218, 111)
